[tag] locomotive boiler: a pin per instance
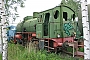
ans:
(26, 29)
(29, 25)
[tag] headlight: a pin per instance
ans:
(58, 35)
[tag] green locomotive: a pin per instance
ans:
(53, 29)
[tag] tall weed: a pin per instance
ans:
(17, 52)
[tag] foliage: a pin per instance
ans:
(0, 56)
(74, 4)
(11, 7)
(17, 52)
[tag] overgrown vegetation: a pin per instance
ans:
(17, 52)
(0, 57)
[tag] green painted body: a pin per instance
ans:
(30, 25)
(52, 24)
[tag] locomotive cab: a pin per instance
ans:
(57, 28)
(56, 22)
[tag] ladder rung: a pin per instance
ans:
(80, 45)
(51, 48)
(46, 41)
(45, 46)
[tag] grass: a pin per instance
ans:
(0, 56)
(17, 52)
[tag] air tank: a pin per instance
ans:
(80, 19)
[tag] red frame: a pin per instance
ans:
(57, 42)
(30, 35)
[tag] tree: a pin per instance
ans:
(11, 8)
(5, 11)
(74, 4)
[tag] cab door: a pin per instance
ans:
(39, 30)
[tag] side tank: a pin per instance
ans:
(80, 19)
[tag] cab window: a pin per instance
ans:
(56, 15)
(73, 17)
(65, 16)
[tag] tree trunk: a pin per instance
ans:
(85, 24)
(0, 28)
(4, 32)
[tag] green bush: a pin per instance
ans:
(17, 52)
(0, 57)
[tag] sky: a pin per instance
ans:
(36, 6)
